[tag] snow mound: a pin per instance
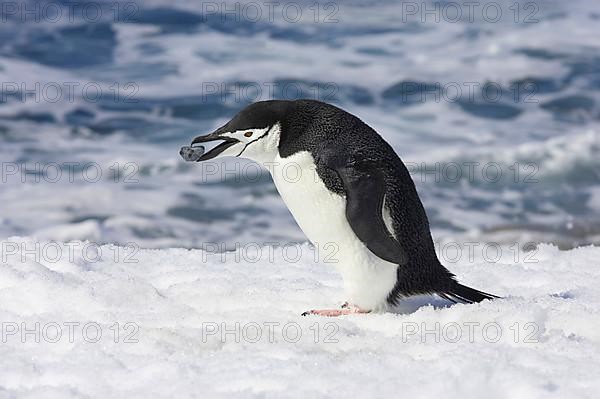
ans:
(81, 321)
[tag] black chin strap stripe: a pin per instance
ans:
(246, 146)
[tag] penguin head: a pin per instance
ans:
(253, 133)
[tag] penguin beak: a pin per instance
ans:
(196, 153)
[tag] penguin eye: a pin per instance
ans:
(248, 134)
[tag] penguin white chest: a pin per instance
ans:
(321, 214)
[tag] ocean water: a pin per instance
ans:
(494, 106)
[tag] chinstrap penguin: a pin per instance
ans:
(353, 192)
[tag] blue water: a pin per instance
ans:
(497, 115)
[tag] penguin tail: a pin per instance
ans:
(462, 293)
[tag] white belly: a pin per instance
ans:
(321, 216)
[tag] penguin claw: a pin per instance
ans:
(346, 310)
(326, 312)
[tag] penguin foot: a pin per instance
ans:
(345, 310)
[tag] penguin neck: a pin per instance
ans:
(269, 150)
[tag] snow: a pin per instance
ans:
(189, 321)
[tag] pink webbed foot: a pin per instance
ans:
(345, 310)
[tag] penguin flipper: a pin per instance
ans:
(365, 194)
